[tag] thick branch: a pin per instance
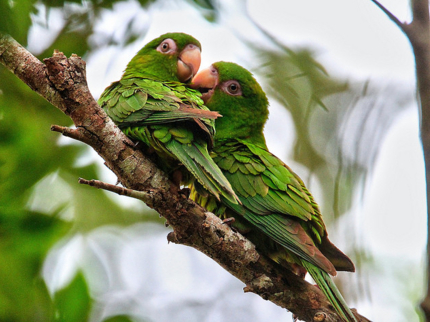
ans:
(62, 82)
(419, 36)
(418, 33)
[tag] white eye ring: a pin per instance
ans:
(167, 46)
(191, 46)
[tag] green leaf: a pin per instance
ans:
(118, 318)
(73, 303)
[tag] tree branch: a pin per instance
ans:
(419, 36)
(393, 18)
(418, 33)
(141, 195)
(63, 83)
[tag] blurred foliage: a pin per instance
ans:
(73, 303)
(15, 18)
(118, 318)
(207, 8)
(41, 201)
(25, 238)
(79, 20)
(339, 127)
(36, 173)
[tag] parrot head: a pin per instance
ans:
(170, 57)
(232, 91)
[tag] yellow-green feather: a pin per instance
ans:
(278, 214)
(150, 105)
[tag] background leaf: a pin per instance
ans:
(73, 303)
(332, 133)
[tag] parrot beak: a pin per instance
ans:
(205, 82)
(188, 63)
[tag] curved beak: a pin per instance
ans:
(205, 82)
(188, 62)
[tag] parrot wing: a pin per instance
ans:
(141, 102)
(276, 201)
(154, 113)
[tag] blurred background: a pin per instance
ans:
(343, 114)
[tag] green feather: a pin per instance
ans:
(258, 167)
(330, 290)
(243, 181)
(182, 133)
(204, 169)
(276, 182)
(277, 213)
(256, 204)
(300, 198)
(243, 169)
(241, 158)
(235, 182)
(129, 92)
(235, 166)
(268, 182)
(163, 134)
(133, 104)
(150, 105)
(225, 163)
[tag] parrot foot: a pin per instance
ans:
(229, 221)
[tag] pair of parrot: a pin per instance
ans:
(161, 102)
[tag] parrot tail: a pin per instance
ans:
(195, 157)
(327, 286)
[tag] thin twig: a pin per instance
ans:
(140, 195)
(76, 134)
(418, 34)
(393, 18)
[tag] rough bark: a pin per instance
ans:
(62, 82)
(418, 33)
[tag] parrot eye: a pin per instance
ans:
(232, 87)
(167, 46)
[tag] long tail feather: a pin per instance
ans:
(196, 159)
(330, 290)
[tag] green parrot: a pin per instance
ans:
(151, 104)
(277, 212)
